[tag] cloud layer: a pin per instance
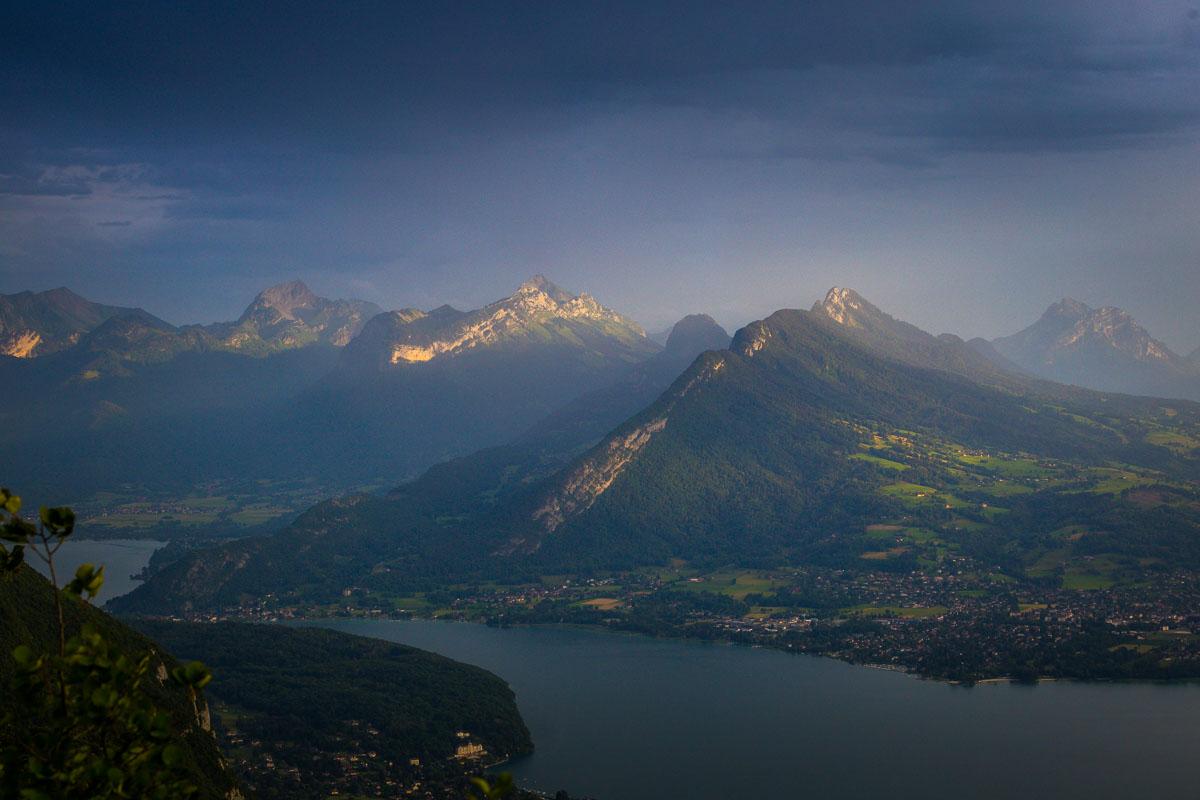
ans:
(962, 164)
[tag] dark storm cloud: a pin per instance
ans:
(350, 76)
(429, 151)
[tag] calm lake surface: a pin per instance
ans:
(621, 717)
(121, 559)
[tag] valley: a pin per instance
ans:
(609, 401)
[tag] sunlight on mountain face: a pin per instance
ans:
(405, 352)
(404, 429)
(23, 344)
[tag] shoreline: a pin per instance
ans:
(991, 681)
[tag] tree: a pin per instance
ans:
(81, 724)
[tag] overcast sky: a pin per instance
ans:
(963, 165)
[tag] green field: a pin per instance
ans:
(734, 583)
(883, 463)
(915, 495)
(914, 612)
(1172, 440)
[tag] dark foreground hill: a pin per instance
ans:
(787, 448)
(27, 617)
(335, 713)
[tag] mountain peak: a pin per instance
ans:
(541, 284)
(846, 307)
(39, 323)
(696, 333)
(537, 313)
(285, 298)
(1069, 308)
(1103, 348)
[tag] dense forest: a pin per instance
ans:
(335, 711)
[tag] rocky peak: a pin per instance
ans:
(540, 283)
(846, 307)
(1103, 348)
(523, 316)
(1120, 330)
(284, 298)
(1070, 324)
(1068, 308)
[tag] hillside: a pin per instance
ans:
(1100, 348)
(784, 449)
(27, 617)
(381, 703)
(37, 324)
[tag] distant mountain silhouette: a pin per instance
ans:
(1100, 348)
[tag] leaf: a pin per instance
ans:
(88, 580)
(9, 501)
(16, 530)
(22, 654)
(11, 560)
(172, 755)
(194, 674)
(60, 520)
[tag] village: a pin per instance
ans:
(953, 625)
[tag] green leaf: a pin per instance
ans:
(60, 521)
(9, 501)
(11, 560)
(88, 580)
(16, 530)
(172, 755)
(194, 674)
(22, 654)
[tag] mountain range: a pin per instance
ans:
(331, 393)
(812, 427)
(304, 397)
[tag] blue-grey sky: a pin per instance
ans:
(961, 164)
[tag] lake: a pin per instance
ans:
(622, 717)
(121, 558)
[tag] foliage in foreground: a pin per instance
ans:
(80, 723)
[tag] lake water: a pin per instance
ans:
(121, 558)
(623, 717)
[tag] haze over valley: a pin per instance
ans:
(611, 401)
